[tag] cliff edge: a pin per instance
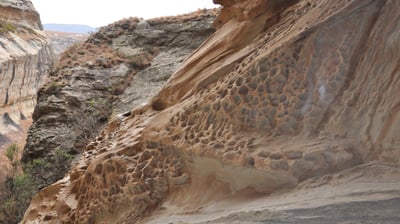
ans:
(25, 62)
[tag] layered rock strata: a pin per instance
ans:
(283, 91)
(21, 12)
(25, 61)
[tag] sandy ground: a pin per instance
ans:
(368, 194)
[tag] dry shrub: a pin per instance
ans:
(196, 15)
(101, 55)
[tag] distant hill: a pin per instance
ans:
(60, 41)
(69, 28)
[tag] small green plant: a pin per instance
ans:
(21, 181)
(12, 155)
(62, 161)
(7, 27)
(92, 102)
(12, 152)
(39, 162)
(37, 167)
(62, 155)
(10, 27)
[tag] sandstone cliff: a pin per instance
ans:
(21, 13)
(114, 70)
(25, 61)
(282, 92)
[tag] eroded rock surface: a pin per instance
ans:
(283, 91)
(114, 70)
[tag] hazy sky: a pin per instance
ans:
(102, 12)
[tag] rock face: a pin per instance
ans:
(25, 61)
(20, 12)
(116, 69)
(283, 91)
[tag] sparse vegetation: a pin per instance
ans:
(21, 186)
(7, 27)
(16, 197)
(198, 14)
(12, 153)
(62, 161)
(92, 102)
(61, 156)
(18, 190)
(99, 54)
(117, 28)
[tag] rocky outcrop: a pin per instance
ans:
(20, 13)
(114, 70)
(282, 92)
(25, 61)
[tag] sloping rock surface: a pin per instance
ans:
(282, 92)
(114, 70)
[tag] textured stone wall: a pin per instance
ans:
(117, 68)
(295, 91)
